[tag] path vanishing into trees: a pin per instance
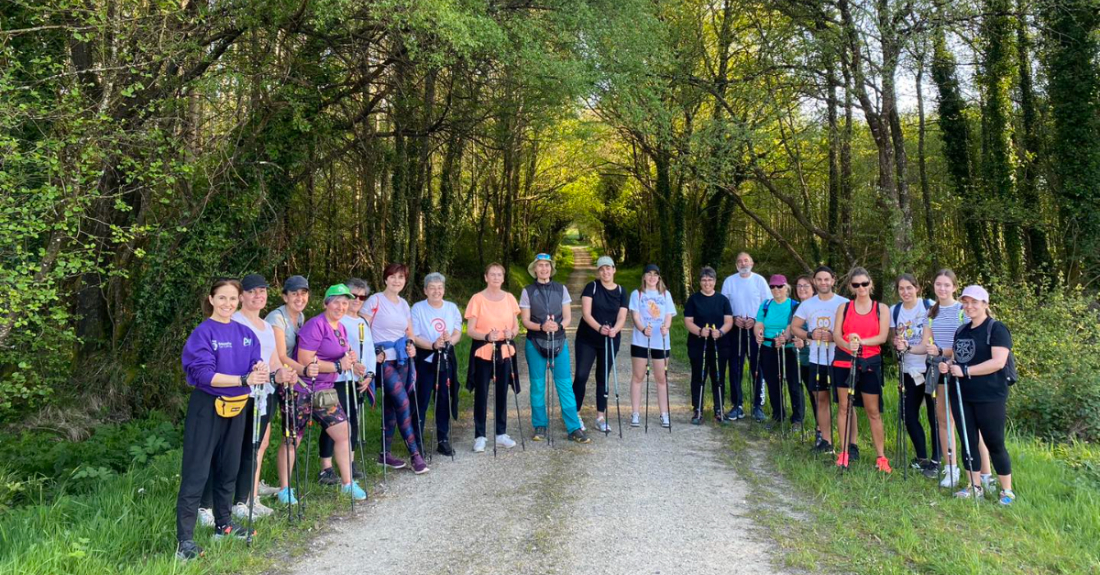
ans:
(648, 503)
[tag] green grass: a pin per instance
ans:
(863, 522)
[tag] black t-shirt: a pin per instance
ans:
(706, 309)
(605, 310)
(971, 349)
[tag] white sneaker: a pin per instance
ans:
(950, 476)
(601, 425)
(580, 419)
(505, 441)
(987, 480)
(479, 445)
(261, 510)
(635, 419)
(240, 510)
(266, 489)
(206, 517)
(664, 420)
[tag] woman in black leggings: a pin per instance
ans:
(908, 320)
(978, 371)
(603, 314)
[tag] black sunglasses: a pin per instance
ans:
(361, 297)
(861, 284)
(777, 287)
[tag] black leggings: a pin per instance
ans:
(325, 443)
(716, 360)
(483, 374)
(914, 396)
(425, 390)
(989, 419)
(769, 367)
(586, 356)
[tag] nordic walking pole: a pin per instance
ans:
(495, 379)
(606, 381)
(548, 398)
(409, 369)
(853, 382)
(703, 383)
(348, 385)
(801, 387)
(252, 462)
(289, 440)
(782, 355)
(648, 360)
(756, 375)
(515, 382)
(902, 446)
(382, 424)
(668, 384)
(309, 437)
(446, 363)
(615, 376)
(966, 442)
(435, 393)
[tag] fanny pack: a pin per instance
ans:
(544, 347)
(325, 398)
(230, 406)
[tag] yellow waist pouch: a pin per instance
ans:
(231, 406)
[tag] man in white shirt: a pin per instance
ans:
(746, 291)
(813, 321)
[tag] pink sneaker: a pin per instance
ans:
(418, 464)
(390, 461)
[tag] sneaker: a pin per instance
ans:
(950, 476)
(853, 451)
(697, 417)
(883, 464)
(580, 419)
(931, 469)
(540, 434)
(355, 491)
(240, 510)
(261, 510)
(356, 473)
(843, 459)
(823, 446)
(418, 465)
(1007, 497)
(757, 414)
(504, 441)
(601, 425)
(796, 426)
(286, 496)
(969, 493)
(664, 420)
(579, 436)
(635, 419)
(987, 480)
(230, 530)
(206, 517)
(188, 550)
(390, 461)
(733, 414)
(444, 448)
(479, 445)
(328, 477)
(266, 489)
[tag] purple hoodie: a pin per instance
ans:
(215, 347)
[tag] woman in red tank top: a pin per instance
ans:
(861, 327)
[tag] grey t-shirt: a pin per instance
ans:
(281, 319)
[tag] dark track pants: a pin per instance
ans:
(744, 348)
(243, 486)
(769, 358)
(716, 358)
(211, 447)
(914, 396)
(586, 357)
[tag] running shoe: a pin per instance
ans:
(883, 465)
(635, 419)
(444, 448)
(261, 510)
(540, 434)
(419, 467)
(230, 530)
(664, 420)
(931, 469)
(758, 414)
(206, 517)
(987, 480)
(1007, 497)
(390, 461)
(579, 436)
(733, 414)
(950, 476)
(479, 445)
(796, 426)
(188, 550)
(853, 452)
(355, 491)
(697, 417)
(504, 441)
(266, 489)
(969, 493)
(286, 496)
(823, 446)
(328, 477)
(601, 425)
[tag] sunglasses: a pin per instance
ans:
(542, 257)
(777, 287)
(860, 284)
(361, 297)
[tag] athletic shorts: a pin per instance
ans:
(869, 382)
(640, 352)
(819, 377)
(327, 417)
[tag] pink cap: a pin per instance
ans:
(976, 292)
(778, 280)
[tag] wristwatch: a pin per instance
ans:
(244, 379)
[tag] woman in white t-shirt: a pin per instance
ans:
(908, 320)
(437, 327)
(651, 309)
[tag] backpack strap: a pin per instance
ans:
(896, 312)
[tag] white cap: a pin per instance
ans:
(976, 292)
(604, 261)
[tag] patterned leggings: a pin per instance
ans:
(399, 384)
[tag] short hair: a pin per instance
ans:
(496, 265)
(358, 283)
(434, 277)
(808, 279)
(394, 269)
(826, 269)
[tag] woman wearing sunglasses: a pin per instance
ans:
(773, 334)
(860, 328)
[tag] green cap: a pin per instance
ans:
(338, 290)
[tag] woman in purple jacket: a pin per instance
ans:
(221, 359)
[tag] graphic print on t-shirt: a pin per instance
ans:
(964, 350)
(439, 325)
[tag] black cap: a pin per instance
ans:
(253, 281)
(652, 268)
(295, 283)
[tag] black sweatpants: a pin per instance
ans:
(325, 443)
(586, 356)
(483, 374)
(989, 419)
(769, 365)
(425, 388)
(211, 447)
(744, 348)
(243, 486)
(716, 358)
(914, 396)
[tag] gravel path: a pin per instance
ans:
(649, 503)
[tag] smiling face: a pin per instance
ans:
(494, 277)
(974, 308)
(907, 291)
(356, 304)
(706, 283)
(861, 285)
(606, 273)
(744, 264)
(395, 283)
(336, 308)
(824, 282)
(945, 288)
(224, 301)
(296, 300)
(434, 292)
(254, 300)
(804, 290)
(543, 270)
(651, 279)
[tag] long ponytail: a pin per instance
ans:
(949, 274)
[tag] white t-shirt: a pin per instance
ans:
(745, 294)
(653, 306)
(266, 337)
(911, 323)
(388, 320)
(819, 313)
(429, 322)
(363, 348)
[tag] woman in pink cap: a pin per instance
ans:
(981, 371)
(778, 357)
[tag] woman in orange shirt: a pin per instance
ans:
(491, 321)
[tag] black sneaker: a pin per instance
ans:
(444, 448)
(188, 550)
(853, 452)
(823, 446)
(931, 469)
(697, 417)
(328, 477)
(916, 463)
(356, 473)
(579, 436)
(230, 530)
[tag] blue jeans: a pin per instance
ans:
(536, 372)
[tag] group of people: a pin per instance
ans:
(377, 349)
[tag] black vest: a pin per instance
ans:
(545, 300)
